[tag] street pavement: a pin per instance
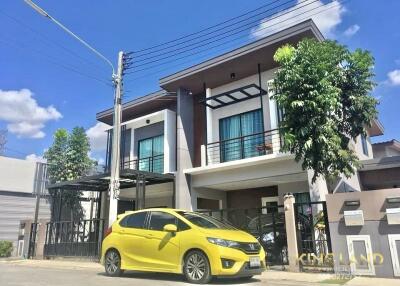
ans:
(91, 274)
(77, 273)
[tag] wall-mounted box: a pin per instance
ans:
(354, 218)
(393, 216)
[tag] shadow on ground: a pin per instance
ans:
(178, 278)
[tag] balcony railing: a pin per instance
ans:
(248, 146)
(154, 164)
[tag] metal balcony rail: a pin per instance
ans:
(253, 145)
(154, 164)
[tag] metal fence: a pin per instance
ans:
(248, 146)
(267, 224)
(314, 244)
(74, 238)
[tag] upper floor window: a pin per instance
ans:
(240, 135)
(364, 144)
(151, 154)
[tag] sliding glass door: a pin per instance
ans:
(241, 136)
(151, 151)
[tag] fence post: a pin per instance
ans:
(290, 224)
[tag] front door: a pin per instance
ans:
(162, 246)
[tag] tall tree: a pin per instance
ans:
(68, 159)
(324, 90)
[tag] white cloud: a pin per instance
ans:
(35, 158)
(24, 116)
(98, 136)
(325, 16)
(394, 77)
(352, 30)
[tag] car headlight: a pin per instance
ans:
(223, 242)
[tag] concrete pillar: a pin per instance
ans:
(169, 141)
(185, 148)
(290, 223)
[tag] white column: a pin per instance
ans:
(273, 113)
(290, 225)
(209, 120)
(169, 141)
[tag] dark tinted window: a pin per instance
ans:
(205, 221)
(159, 219)
(134, 220)
(182, 226)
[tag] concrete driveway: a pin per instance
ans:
(72, 273)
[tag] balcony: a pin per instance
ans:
(153, 164)
(253, 145)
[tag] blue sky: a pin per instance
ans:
(42, 91)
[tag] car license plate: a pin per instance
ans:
(255, 262)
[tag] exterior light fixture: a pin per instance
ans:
(352, 203)
(147, 121)
(393, 200)
(233, 75)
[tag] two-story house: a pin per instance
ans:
(213, 126)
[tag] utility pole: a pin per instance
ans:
(116, 143)
(3, 141)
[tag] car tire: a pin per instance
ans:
(197, 268)
(112, 263)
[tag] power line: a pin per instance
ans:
(138, 53)
(329, 6)
(45, 39)
(224, 36)
(54, 61)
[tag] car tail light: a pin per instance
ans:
(108, 231)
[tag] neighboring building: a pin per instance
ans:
(20, 180)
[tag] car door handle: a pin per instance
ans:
(149, 236)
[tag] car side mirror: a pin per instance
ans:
(170, 228)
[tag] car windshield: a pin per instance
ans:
(205, 221)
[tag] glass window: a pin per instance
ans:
(151, 151)
(136, 220)
(240, 135)
(159, 219)
(364, 145)
(205, 221)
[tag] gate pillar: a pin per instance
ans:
(290, 223)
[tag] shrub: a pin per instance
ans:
(6, 248)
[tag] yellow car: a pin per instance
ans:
(178, 241)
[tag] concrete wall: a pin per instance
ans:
(374, 205)
(17, 175)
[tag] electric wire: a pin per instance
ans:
(52, 60)
(285, 22)
(46, 40)
(138, 54)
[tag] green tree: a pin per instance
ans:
(68, 159)
(324, 91)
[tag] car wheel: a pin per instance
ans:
(197, 268)
(112, 263)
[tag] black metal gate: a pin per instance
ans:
(313, 237)
(267, 224)
(74, 238)
(32, 240)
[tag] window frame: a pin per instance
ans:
(152, 151)
(177, 219)
(145, 223)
